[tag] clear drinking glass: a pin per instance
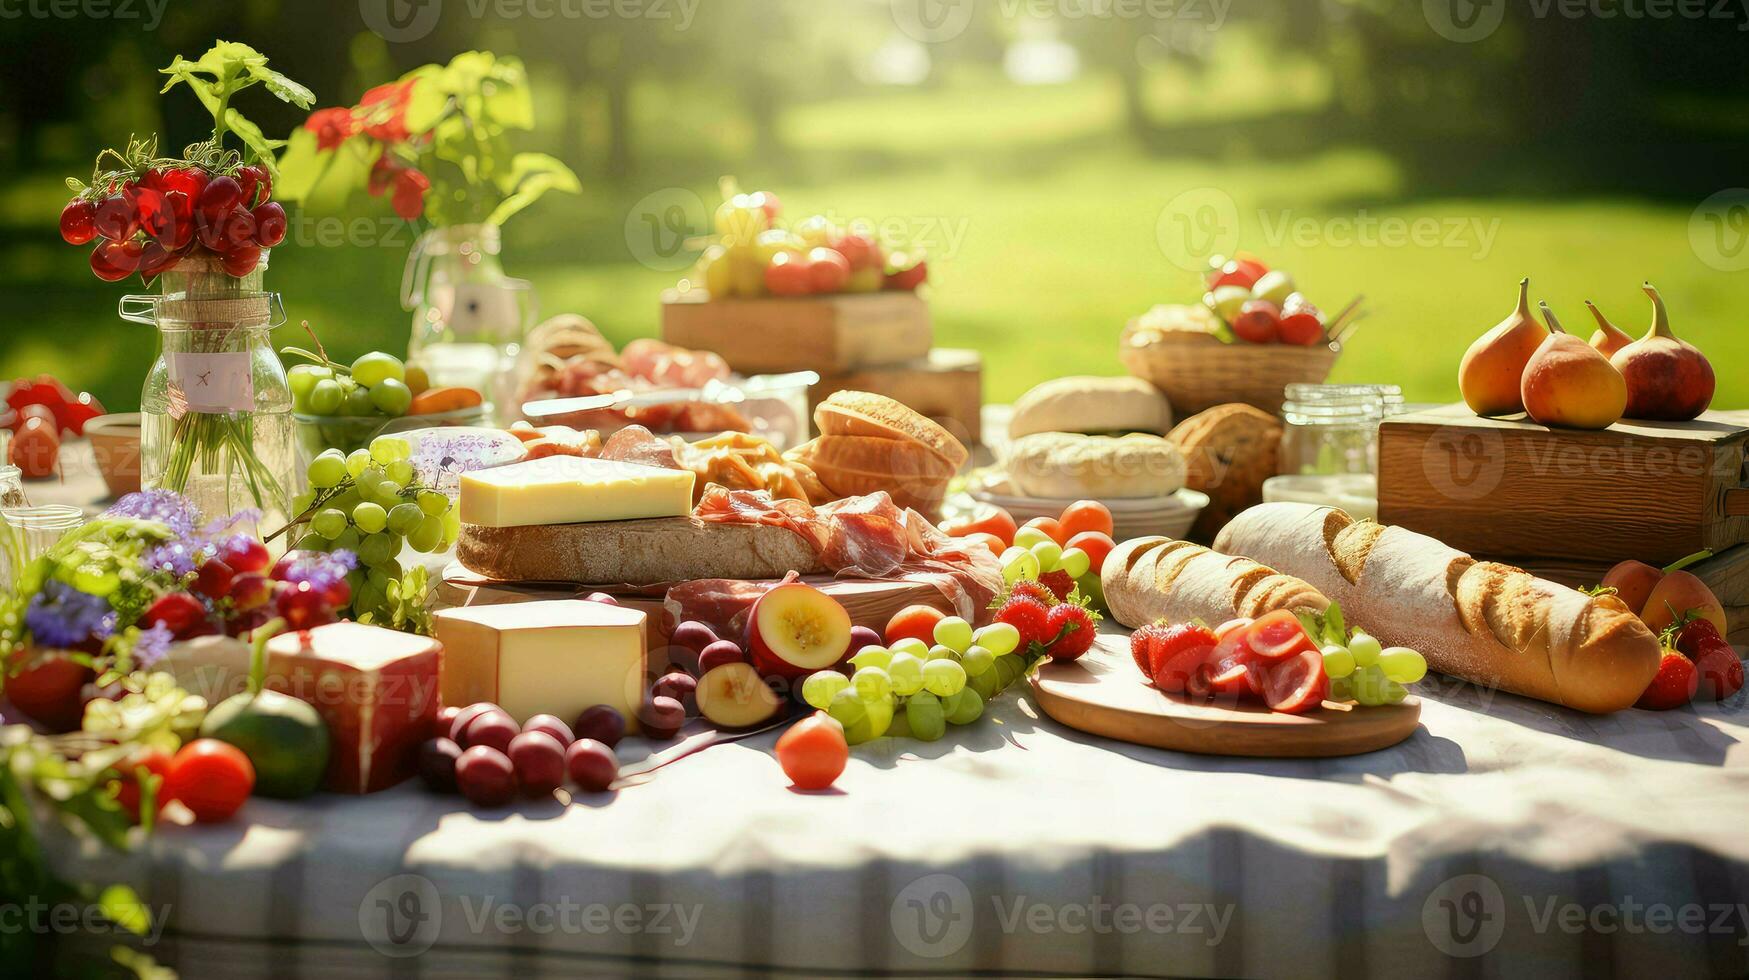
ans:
(27, 532)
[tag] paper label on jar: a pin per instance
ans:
(210, 384)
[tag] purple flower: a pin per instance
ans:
(62, 616)
(165, 506)
(321, 570)
(151, 645)
(225, 526)
(173, 558)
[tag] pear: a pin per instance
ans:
(1568, 383)
(1668, 379)
(1608, 338)
(1493, 367)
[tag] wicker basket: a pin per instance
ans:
(1197, 371)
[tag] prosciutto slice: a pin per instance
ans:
(636, 444)
(857, 537)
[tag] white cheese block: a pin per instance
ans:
(556, 657)
(572, 490)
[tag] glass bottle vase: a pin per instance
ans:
(216, 419)
(469, 318)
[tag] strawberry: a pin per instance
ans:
(1072, 628)
(1059, 582)
(1029, 616)
(1673, 686)
(1696, 635)
(1178, 655)
(179, 612)
(1142, 642)
(1719, 672)
(1034, 590)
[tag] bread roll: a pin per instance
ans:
(1492, 624)
(861, 413)
(1068, 465)
(1090, 405)
(1155, 578)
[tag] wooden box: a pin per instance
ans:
(1655, 491)
(947, 386)
(828, 334)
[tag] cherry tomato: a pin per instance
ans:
(132, 771)
(1050, 526)
(787, 275)
(115, 218)
(986, 519)
(115, 261)
(1086, 515)
(37, 448)
(917, 621)
(813, 752)
(48, 690)
(269, 224)
(828, 270)
(211, 778)
(1097, 546)
(77, 219)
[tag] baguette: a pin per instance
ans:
(641, 552)
(1155, 578)
(1484, 622)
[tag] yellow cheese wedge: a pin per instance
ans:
(556, 657)
(572, 490)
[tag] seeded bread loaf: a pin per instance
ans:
(1492, 624)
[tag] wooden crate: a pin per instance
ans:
(1655, 491)
(947, 386)
(828, 334)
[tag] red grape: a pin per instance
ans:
(602, 723)
(253, 178)
(220, 195)
(662, 717)
(239, 228)
(214, 579)
(680, 687)
(76, 221)
(719, 653)
(492, 728)
(249, 591)
(552, 726)
(540, 762)
(485, 776)
(270, 224)
(459, 726)
(241, 259)
(437, 759)
(591, 764)
(245, 554)
(115, 261)
(115, 218)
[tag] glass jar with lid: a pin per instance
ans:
(12, 486)
(1332, 429)
(27, 532)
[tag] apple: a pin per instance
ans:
(861, 251)
(828, 270)
(1226, 300)
(735, 696)
(794, 630)
(1257, 322)
(1275, 286)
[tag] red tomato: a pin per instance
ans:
(828, 270)
(1086, 515)
(917, 621)
(36, 449)
(985, 519)
(813, 752)
(132, 771)
(1050, 526)
(788, 275)
(1278, 635)
(1096, 544)
(991, 541)
(48, 690)
(211, 778)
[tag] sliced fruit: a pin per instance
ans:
(796, 629)
(1297, 684)
(735, 696)
(1278, 635)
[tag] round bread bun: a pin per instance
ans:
(1091, 405)
(1069, 465)
(861, 413)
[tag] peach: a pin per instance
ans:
(1677, 595)
(1633, 582)
(735, 696)
(796, 629)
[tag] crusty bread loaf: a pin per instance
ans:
(1155, 578)
(1091, 405)
(861, 413)
(1068, 465)
(1229, 450)
(1492, 624)
(643, 552)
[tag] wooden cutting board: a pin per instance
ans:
(1103, 694)
(869, 603)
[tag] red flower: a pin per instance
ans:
(331, 126)
(383, 111)
(382, 174)
(410, 188)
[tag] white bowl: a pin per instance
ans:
(1132, 517)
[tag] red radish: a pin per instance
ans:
(1296, 685)
(1278, 635)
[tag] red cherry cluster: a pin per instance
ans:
(149, 223)
(236, 591)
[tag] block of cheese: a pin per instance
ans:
(573, 490)
(555, 657)
(376, 688)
